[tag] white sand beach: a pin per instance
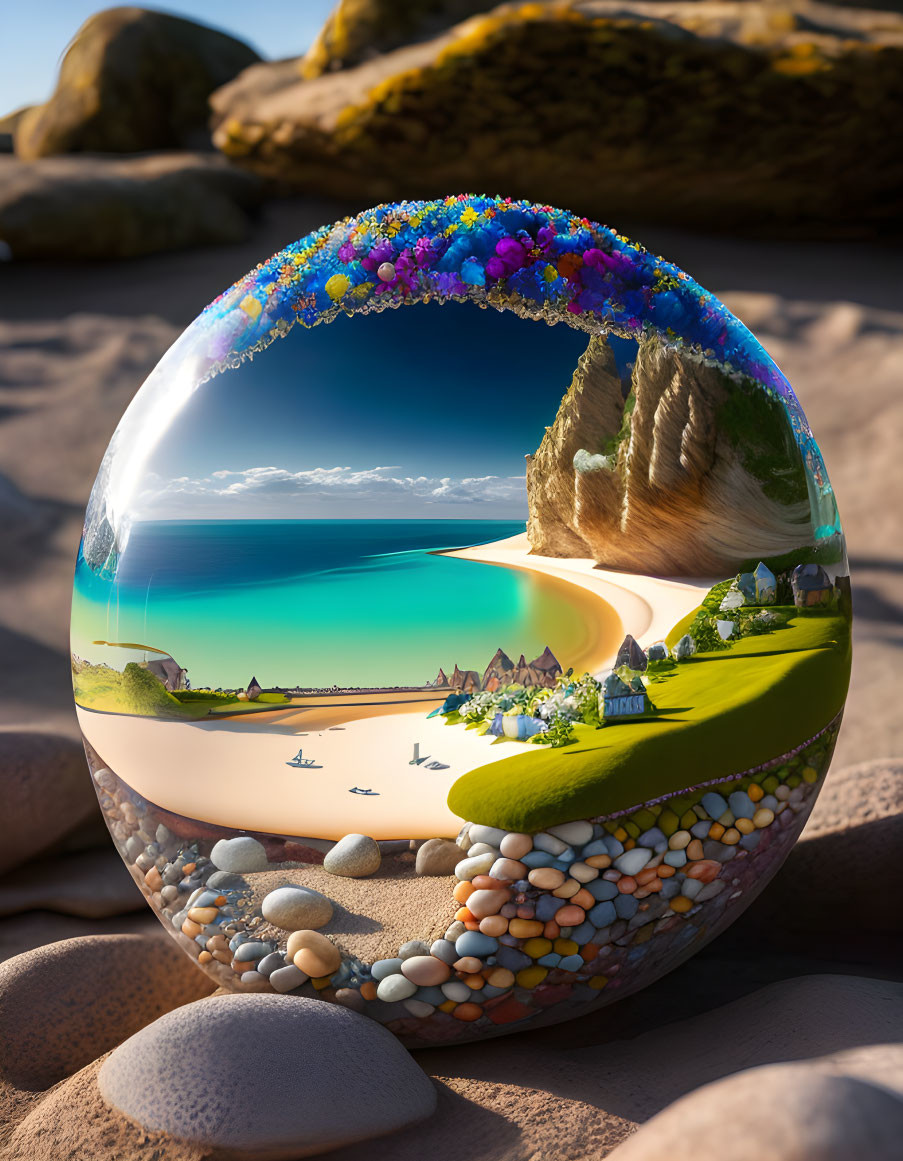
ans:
(234, 773)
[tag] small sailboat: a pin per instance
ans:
(300, 762)
(436, 766)
(417, 760)
(357, 790)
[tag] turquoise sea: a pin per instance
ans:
(317, 603)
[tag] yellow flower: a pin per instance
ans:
(469, 216)
(550, 273)
(250, 306)
(337, 286)
(450, 229)
(361, 291)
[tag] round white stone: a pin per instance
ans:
(296, 908)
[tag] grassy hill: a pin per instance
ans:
(719, 713)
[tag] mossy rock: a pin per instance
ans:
(712, 115)
(357, 30)
(132, 80)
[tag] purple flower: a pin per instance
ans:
(448, 282)
(495, 268)
(346, 252)
(545, 237)
(424, 252)
(383, 251)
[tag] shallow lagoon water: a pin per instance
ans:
(317, 603)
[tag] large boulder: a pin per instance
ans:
(64, 1004)
(46, 793)
(266, 1077)
(132, 80)
(64, 208)
(357, 30)
(704, 114)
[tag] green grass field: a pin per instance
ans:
(719, 713)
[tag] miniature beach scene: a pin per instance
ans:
(468, 692)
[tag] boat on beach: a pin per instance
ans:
(300, 762)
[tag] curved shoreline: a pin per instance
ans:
(239, 777)
(648, 610)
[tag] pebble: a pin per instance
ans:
(271, 963)
(224, 881)
(292, 908)
(675, 859)
(286, 979)
(515, 846)
(741, 805)
(395, 988)
(680, 840)
(240, 855)
(491, 835)
(583, 873)
(313, 953)
(574, 834)
(470, 867)
(457, 991)
(353, 856)
(482, 849)
(549, 843)
(386, 967)
(633, 861)
(264, 1087)
(437, 856)
(652, 838)
(483, 903)
(603, 913)
(425, 971)
(445, 950)
(414, 947)
(763, 817)
(251, 951)
(511, 869)
(475, 943)
(713, 804)
(546, 878)
(417, 1008)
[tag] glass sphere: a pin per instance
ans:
(464, 670)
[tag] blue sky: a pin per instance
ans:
(424, 411)
(34, 35)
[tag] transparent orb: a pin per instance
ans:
(468, 671)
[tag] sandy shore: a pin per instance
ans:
(647, 606)
(238, 773)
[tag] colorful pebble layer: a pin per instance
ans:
(537, 261)
(541, 928)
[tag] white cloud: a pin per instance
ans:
(338, 490)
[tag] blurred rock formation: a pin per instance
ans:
(767, 118)
(132, 80)
(357, 30)
(64, 208)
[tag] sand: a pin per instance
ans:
(373, 916)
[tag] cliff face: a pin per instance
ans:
(694, 474)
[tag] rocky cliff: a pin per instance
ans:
(694, 473)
